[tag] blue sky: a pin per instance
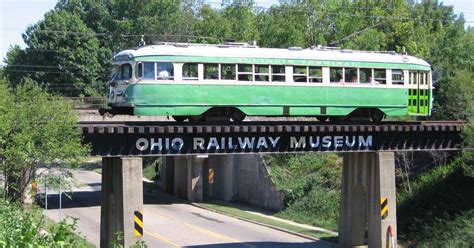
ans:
(16, 15)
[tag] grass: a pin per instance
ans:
(439, 212)
(248, 216)
(92, 164)
(149, 172)
(311, 186)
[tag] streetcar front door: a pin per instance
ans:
(418, 93)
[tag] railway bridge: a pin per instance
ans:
(368, 203)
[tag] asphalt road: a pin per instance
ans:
(170, 223)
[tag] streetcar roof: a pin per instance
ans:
(317, 53)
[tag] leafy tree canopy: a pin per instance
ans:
(37, 129)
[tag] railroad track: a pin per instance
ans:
(273, 123)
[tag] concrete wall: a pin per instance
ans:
(180, 177)
(255, 183)
(240, 178)
(225, 186)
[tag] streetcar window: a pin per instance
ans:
(278, 73)
(115, 72)
(365, 75)
(126, 72)
(380, 76)
(227, 72)
(245, 72)
(335, 74)
(262, 73)
(350, 75)
(411, 79)
(164, 71)
(245, 68)
(424, 81)
(211, 71)
(315, 74)
(139, 70)
(149, 70)
(300, 74)
(397, 77)
(190, 71)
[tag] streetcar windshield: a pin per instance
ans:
(122, 72)
(115, 71)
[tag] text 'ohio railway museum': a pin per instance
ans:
(165, 138)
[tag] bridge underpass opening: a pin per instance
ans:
(368, 203)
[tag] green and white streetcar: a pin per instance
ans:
(235, 80)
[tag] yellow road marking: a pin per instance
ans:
(162, 238)
(217, 235)
(162, 216)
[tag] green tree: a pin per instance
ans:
(39, 130)
(62, 54)
(241, 17)
(210, 23)
(284, 26)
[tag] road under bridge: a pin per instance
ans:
(368, 203)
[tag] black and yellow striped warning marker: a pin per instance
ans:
(383, 207)
(138, 223)
(210, 178)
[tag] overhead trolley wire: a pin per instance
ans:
(43, 66)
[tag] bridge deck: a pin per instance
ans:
(171, 138)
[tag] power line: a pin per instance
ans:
(43, 66)
(42, 71)
(58, 31)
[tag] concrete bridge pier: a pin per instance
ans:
(122, 195)
(188, 176)
(368, 178)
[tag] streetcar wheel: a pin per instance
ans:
(322, 118)
(179, 118)
(376, 115)
(338, 118)
(195, 118)
(237, 116)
